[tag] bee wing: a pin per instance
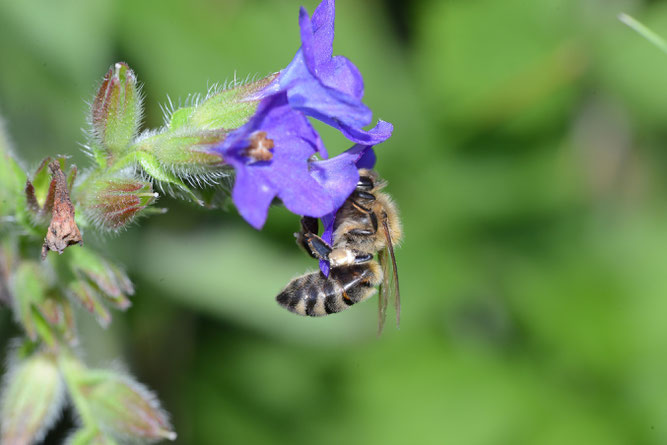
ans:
(383, 297)
(389, 284)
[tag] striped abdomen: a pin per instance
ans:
(315, 295)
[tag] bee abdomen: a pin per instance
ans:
(315, 295)
(303, 296)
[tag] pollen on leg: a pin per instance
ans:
(260, 147)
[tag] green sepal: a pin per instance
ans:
(114, 200)
(229, 108)
(180, 117)
(89, 436)
(41, 182)
(186, 152)
(158, 172)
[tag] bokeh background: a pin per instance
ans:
(528, 162)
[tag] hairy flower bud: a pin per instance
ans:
(107, 279)
(90, 300)
(112, 203)
(32, 396)
(123, 407)
(116, 110)
(228, 108)
(39, 305)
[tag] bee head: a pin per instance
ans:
(369, 181)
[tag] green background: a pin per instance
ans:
(528, 162)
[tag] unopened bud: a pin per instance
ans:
(113, 203)
(124, 407)
(230, 108)
(116, 109)
(32, 397)
(108, 279)
(90, 300)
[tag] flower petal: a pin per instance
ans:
(308, 199)
(252, 196)
(328, 89)
(380, 133)
(323, 29)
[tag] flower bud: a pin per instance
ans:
(229, 108)
(32, 397)
(90, 300)
(123, 407)
(113, 203)
(116, 110)
(111, 282)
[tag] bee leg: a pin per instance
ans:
(361, 257)
(317, 247)
(365, 183)
(367, 232)
(309, 227)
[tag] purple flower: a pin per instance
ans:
(273, 152)
(325, 87)
(270, 155)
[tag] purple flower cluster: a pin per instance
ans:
(273, 154)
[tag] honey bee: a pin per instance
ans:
(366, 224)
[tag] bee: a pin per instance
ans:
(366, 224)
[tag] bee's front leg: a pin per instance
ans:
(307, 238)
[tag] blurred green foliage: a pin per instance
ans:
(528, 162)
